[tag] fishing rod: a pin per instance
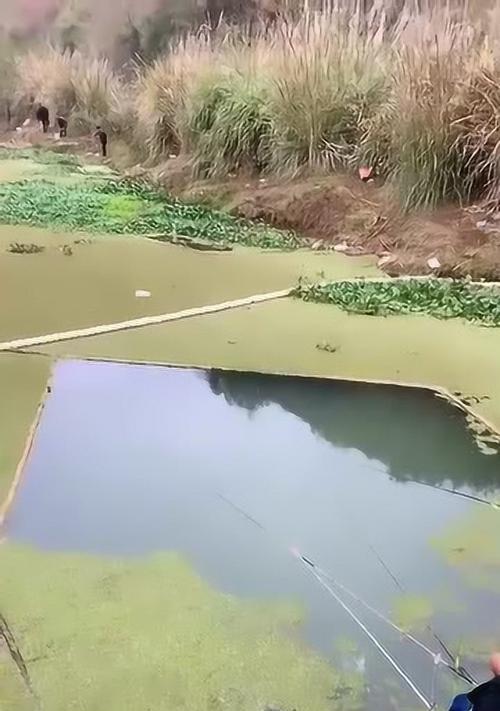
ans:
(455, 667)
(444, 489)
(16, 655)
(461, 494)
(402, 673)
(436, 657)
(452, 665)
(318, 573)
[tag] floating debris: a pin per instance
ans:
(25, 248)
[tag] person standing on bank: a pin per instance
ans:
(485, 697)
(62, 124)
(42, 116)
(103, 140)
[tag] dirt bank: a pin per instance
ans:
(335, 212)
(344, 213)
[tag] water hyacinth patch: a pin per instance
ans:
(440, 298)
(125, 207)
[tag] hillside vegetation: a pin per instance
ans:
(414, 92)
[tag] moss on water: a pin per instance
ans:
(472, 546)
(150, 634)
(413, 612)
(282, 336)
(52, 292)
(13, 693)
(22, 383)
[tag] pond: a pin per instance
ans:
(234, 471)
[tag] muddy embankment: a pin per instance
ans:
(347, 215)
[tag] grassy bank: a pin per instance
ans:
(413, 93)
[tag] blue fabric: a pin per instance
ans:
(461, 703)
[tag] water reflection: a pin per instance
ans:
(375, 420)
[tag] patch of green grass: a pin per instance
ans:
(435, 297)
(124, 207)
(470, 545)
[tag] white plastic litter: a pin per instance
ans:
(433, 263)
(142, 294)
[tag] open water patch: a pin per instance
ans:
(233, 471)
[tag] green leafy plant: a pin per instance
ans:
(435, 297)
(124, 207)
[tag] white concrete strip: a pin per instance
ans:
(28, 445)
(21, 343)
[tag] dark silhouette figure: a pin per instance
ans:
(63, 126)
(42, 116)
(103, 140)
(485, 697)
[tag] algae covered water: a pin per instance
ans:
(232, 471)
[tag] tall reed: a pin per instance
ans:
(411, 88)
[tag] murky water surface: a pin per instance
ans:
(235, 470)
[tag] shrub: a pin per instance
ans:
(230, 127)
(163, 90)
(328, 80)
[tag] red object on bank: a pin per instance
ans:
(366, 173)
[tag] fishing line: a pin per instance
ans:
(461, 494)
(240, 511)
(444, 489)
(371, 637)
(454, 665)
(316, 571)
(456, 668)
(436, 657)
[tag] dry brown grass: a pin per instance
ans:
(72, 84)
(412, 89)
